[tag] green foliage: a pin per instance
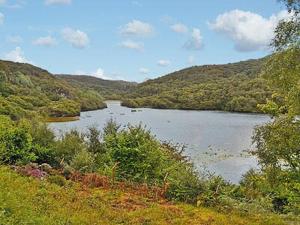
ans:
(69, 145)
(24, 200)
(278, 142)
(95, 145)
(63, 107)
(138, 154)
(83, 161)
(58, 180)
(26, 89)
(283, 72)
(141, 158)
(230, 87)
(109, 89)
(16, 145)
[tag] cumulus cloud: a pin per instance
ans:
(164, 62)
(47, 41)
(77, 38)
(58, 2)
(249, 31)
(16, 55)
(138, 46)
(99, 73)
(137, 28)
(144, 70)
(14, 39)
(179, 28)
(196, 41)
(1, 18)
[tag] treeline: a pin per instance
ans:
(230, 87)
(26, 90)
(109, 89)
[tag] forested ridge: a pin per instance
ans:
(109, 89)
(26, 89)
(229, 87)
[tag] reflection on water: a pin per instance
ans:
(215, 140)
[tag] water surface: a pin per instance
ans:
(215, 141)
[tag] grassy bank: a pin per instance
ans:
(26, 200)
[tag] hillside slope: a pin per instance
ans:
(109, 89)
(25, 200)
(26, 89)
(228, 87)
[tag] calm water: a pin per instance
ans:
(216, 141)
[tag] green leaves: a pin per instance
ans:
(16, 144)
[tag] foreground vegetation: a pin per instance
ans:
(133, 156)
(30, 201)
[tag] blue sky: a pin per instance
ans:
(134, 39)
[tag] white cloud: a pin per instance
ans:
(164, 62)
(16, 55)
(1, 18)
(191, 60)
(249, 31)
(179, 28)
(14, 39)
(144, 70)
(138, 46)
(77, 38)
(137, 28)
(59, 2)
(99, 73)
(195, 43)
(47, 41)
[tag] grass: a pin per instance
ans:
(26, 200)
(61, 119)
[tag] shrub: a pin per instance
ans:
(141, 158)
(15, 143)
(69, 145)
(83, 161)
(58, 180)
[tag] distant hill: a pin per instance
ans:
(229, 87)
(109, 89)
(26, 89)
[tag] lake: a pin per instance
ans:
(215, 141)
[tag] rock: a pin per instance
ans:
(46, 167)
(33, 165)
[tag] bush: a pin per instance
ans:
(83, 161)
(15, 143)
(58, 180)
(141, 158)
(69, 145)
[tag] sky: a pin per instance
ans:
(135, 40)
